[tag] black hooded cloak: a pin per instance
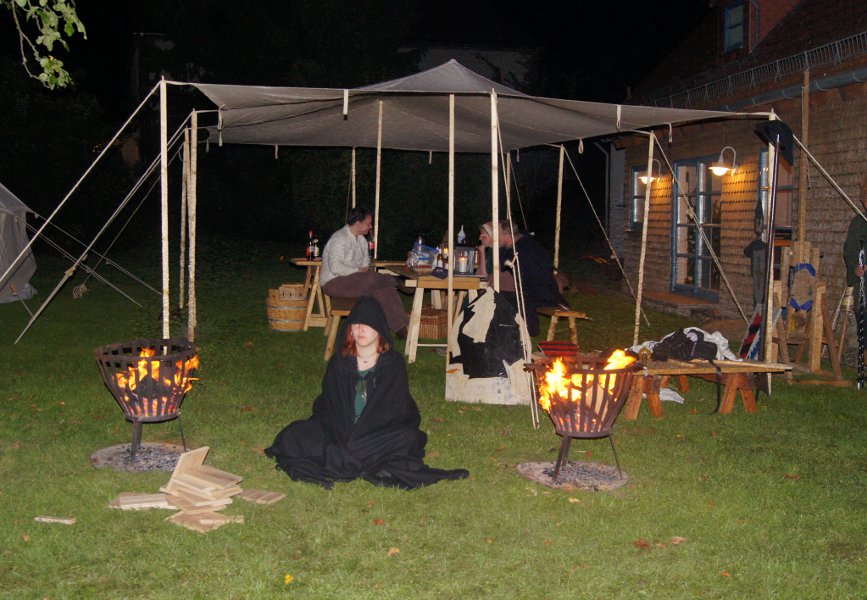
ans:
(384, 446)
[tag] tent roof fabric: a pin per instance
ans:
(415, 114)
(9, 202)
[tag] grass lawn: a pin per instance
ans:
(768, 505)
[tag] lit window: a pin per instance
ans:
(734, 27)
(636, 203)
(696, 223)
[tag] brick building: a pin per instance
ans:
(751, 56)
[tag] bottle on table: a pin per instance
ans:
(309, 253)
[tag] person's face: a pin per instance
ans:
(365, 337)
(363, 226)
(484, 238)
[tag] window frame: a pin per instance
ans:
(636, 199)
(730, 45)
(681, 230)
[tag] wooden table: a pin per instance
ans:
(317, 310)
(317, 315)
(735, 377)
(463, 284)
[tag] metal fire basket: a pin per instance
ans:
(594, 397)
(149, 379)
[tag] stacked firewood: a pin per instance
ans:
(200, 492)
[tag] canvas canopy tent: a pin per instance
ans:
(415, 115)
(13, 240)
(445, 109)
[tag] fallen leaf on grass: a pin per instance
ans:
(693, 411)
(25, 537)
(287, 579)
(246, 408)
(641, 543)
(371, 503)
(725, 574)
(793, 476)
(433, 454)
(438, 420)
(378, 522)
(392, 551)
(489, 540)
(547, 542)
(573, 500)
(713, 434)
(678, 540)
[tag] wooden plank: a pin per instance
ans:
(135, 501)
(50, 519)
(191, 521)
(201, 499)
(261, 496)
(186, 506)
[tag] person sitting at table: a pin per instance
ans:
(365, 423)
(538, 286)
(345, 270)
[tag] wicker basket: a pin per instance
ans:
(287, 307)
(433, 325)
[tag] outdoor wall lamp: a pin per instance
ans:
(645, 179)
(720, 167)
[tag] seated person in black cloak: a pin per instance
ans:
(538, 285)
(365, 422)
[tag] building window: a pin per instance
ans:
(636, 203)
(696, 191)
(734, 27)
(785, 195)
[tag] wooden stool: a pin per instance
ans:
(556, 314)
(337, 309)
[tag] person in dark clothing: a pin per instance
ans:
(856, 237)
(535, 267)
(365, 423)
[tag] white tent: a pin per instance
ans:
(13, 239)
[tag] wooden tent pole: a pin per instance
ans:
(378, 173)
(802, 164)
(559, 208)
(451, 260)
(192, 315)
(637, 324)
(353, 176)
(185, 184)
(495, 189)
(770, 209)
(164, 205)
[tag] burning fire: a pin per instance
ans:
(145, 374)
(578, 387)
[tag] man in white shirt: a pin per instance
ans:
(345, 270)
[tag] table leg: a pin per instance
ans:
(653, 401)
(414, 323)
(734, 383)
(633, 401)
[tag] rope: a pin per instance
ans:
(691, 214)
(605, 234)
(522, 310)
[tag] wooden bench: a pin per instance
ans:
(337, 307)
(736, 377)
(556, 314)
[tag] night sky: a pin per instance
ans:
(586, 50)
(589, 50)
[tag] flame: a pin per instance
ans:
(578, 387)
(146, 370)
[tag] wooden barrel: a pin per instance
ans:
(285, 313)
